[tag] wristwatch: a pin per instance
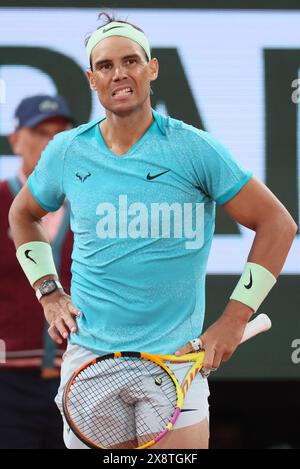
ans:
(47, 287)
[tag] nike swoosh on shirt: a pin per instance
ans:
(150, 178)
(188, 410)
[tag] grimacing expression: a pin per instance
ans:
(30, 142)
(121, 74)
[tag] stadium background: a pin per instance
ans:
(230, 68)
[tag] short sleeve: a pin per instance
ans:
(218, 174)
(46, 181)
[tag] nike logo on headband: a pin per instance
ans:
(105, 30)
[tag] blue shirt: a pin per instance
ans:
(143, 225)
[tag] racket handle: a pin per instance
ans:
(260, 324)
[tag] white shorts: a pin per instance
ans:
(195, 409)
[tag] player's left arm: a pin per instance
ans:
(257, 208)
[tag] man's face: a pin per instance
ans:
(121, 75)
(30, 142)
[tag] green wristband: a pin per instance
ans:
(253, 286)
(36, 260)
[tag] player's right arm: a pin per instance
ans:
(25, 218)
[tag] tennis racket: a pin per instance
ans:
(131, 400)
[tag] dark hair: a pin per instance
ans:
(110, 19)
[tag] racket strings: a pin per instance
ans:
(85, 415)
(87, 418)
(122, 403)
(81, 419)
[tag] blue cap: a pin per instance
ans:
(36, 109)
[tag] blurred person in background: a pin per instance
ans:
(30, 375)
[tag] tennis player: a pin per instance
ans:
(143, 190)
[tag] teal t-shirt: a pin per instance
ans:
(143, 225)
